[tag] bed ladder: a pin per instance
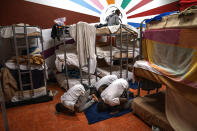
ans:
(17, 47)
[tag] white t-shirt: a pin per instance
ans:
(69, 98)
(106, 80)
(112, 93)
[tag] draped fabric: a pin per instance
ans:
(186, 3)
(173, 52)
(170, 47)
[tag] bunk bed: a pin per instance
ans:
(168, 57)
(72, 61)
(123, 50)
(24, 75)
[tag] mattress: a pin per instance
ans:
(144, 71)
(8, 33)
(36, 61)
(107, 30)
(12, 65)
(145, 65)
(103, 52)
(115, 71)
(72, 61)
(61, 79)
(151, 109)
(27, 94)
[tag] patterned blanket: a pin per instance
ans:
(173, 52)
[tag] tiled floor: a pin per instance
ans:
(42, 117)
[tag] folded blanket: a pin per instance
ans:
(36, 60)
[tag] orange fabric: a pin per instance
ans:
(110, 2)
(187, 39)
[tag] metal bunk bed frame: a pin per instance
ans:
(88, 59)
(80, 67)
(121, 50)
(26, 46)
(141, 55)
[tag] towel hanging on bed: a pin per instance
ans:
(85, 35)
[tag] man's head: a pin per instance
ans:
(117, 12)
(102, 106)
(60, 108)
(102, 88)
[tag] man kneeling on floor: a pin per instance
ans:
(111, 91)
(75, 100)
(114, 96)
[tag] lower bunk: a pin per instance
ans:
(14, 96)
(179, 103)
(151, 109)
(73, 79)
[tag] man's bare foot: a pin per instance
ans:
(114, 112)
(95, 98)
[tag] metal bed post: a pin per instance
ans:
(110, 54)
(2, 101)
(17, 61)
(80, 67)
(89, 83)
(54, 43)
(127, 54)
(141, 25)
(66, 68)
(37, 42)
(134, 51)
(28, 57)
(41, 41)
(120, 50)
(96, 60)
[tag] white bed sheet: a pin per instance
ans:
(27, 95)
(72, 60)
(7, 32)
(11, 65)
(103, 52)
(145, 65)
(115, 71)
(61, 79)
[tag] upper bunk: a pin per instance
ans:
(116, 30)
(20, 31)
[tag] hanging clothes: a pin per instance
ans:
(9, 84)
(85, 34)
